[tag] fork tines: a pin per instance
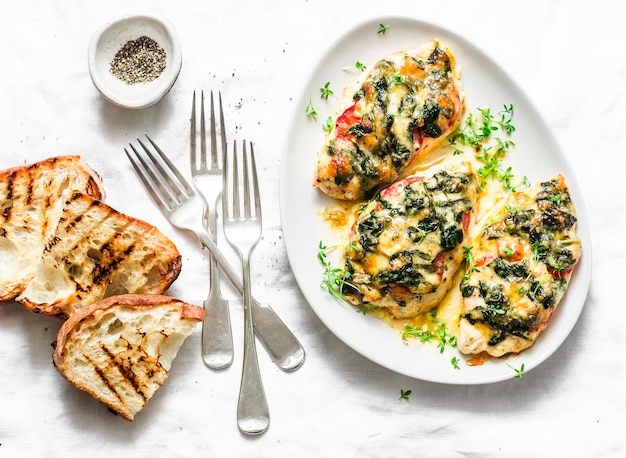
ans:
(152, 173)
(249, 171)
(202, 164)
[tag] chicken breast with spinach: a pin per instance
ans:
(408, 241)
(408, 104)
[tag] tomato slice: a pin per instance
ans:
(394, 189)
(345, 121)
(400, 292)
(485, 259)
(466, 221)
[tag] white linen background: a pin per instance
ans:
(567, 57)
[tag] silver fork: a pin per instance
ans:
(185, 209)
(217, 337)
(243, 231)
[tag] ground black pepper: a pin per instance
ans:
(139, 61)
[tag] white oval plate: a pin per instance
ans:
(536, 155)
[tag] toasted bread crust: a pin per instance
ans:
(123, 376)
(188, 312)
(94, 186)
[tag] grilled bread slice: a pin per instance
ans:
(97, 252)
(31, 200)
(120, 350)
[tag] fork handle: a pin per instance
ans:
(217, 337)
(282, 346)
(253, 415)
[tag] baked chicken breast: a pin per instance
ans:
(408, 103)
(407, 242)
(524, 257)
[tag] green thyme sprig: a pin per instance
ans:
(478, 132)
(328, 124)
(440, 335)
(539, 252)
(512, 209)
(519, 373)
(444, 338)
(506, 116)
(404, 394)
(333, 278)
(366, 308)
(470, 263)
(423, 335)
(310, 110)
(326, 91)
(398, 79)
(358, 65)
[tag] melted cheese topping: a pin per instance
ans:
(407, 242)
(524, 258)
(409, 102)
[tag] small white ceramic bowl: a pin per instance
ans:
(111, 37)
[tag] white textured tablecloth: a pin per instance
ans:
(567, 56)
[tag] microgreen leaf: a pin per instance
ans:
(538, 251)
(478, 132)
(328, 125)
(424, 335)
(333, 278)
(325, 91)
(444, 338)
(439, 334)
(357, 66)
(366, 308)
(310, 110)
(519, 373)
(397, 79)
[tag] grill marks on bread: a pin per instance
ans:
(62, 250)
(38, 183)
(6, 209)
(97, 252)
(128, 374)
(120, 350)
(106, 255)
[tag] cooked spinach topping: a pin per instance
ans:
(409, 274)
(420, 221)
(511, 271)
(402, 101)
(370, 228)
(451, 237)
(499, 315)
(543, 227)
